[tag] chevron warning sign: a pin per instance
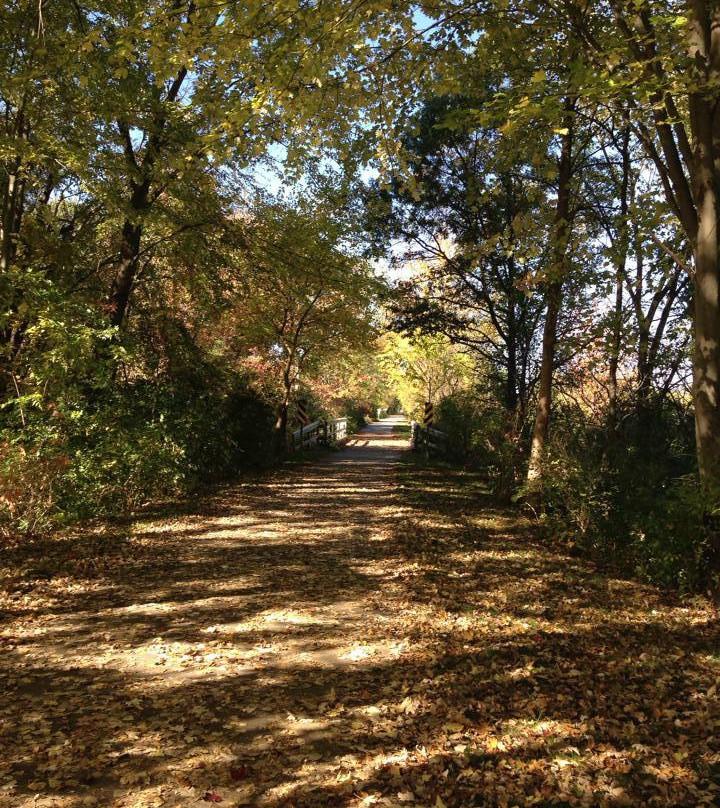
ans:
(428, 414)
(302, 415)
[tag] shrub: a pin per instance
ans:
(28, 478)
(478, 434)
(146, 440)
(640, 508)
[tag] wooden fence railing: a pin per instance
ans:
(428, 438)
(319, 433)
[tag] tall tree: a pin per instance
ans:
(302, 298)
(464, 218)
(556, 276)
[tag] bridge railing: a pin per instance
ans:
(428, 438)
(319, 433)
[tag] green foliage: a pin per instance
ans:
(479, 434)
(358, 415)
(671, 543)
(422, 367)
(138, 443)
(28, 479)
(636, 506)
(116, 466)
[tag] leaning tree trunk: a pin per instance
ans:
(140, 199)
(561, 237)
(281, 422)
(126, 272)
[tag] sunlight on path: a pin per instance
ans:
(220, 626)
(354, 632)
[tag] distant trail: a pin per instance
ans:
(351, 633)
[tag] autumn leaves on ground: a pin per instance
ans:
(362, 630)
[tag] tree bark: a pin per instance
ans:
(705, 122)
(706, 306)
(281, 422)
(704, 106)
(544, 405)
(140, 200)
(126, 272)
(561, 236)
(706, 355)
(614, 361)
(617, 322)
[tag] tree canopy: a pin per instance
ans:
(193, 196)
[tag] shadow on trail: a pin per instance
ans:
(339, 640)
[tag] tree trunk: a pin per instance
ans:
(706, 378)
(281, 422)
(511, 382)
(542, 417)
(644, 369)
(561, 238)
(126, 272)
(706, 368)
(706, 302)
(705, 127)
(140, 199)
(281, 425)
(617, 322)
(614, 361)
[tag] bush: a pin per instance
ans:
(478, 434)
(116, 470)
(671, 543)
(640, 509)
(358, 416)
(28, 478)
(145, 441)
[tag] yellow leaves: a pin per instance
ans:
(494, 744)
(132, 778)
(409, 705)
(620, 796)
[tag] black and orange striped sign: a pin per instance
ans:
(302, 415)
(428, 414)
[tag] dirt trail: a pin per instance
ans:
(211, 643)
(330, 637)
